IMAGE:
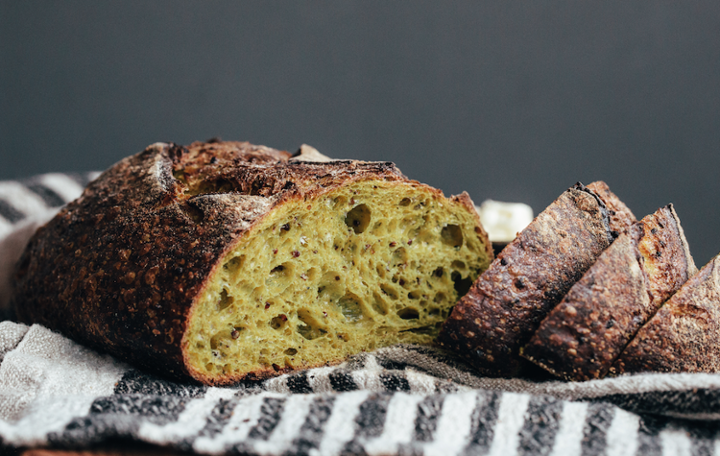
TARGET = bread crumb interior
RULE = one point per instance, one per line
(367, 265)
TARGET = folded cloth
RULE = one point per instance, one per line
(398, 400)
(24, 206)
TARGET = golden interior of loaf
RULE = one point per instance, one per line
(367, 265)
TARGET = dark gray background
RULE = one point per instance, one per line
(507, 100)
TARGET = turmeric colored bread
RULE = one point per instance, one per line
(228, 261)
(529, 277)
(584, 334)
(684, 335)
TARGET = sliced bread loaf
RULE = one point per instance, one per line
(531, 275)
(584, 334)
(684, 335)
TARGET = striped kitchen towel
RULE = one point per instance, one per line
(398, 400)
(25, 205)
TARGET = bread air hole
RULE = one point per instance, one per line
(225, 300)
(452, 235)
(389, 291)
(309, 327)
(399, 257)
(280, 275)
(408, 313)
(330, 287)
(379, 229)
(420, 205)
(358, 218)
(278, 322)
(350, 308)
(235, 264)
(218, 341)
(380, 269)
(458, 265)
(338, 202)
(378, 304)
(461, 284)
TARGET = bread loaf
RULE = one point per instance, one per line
(684, 335)
(531, 275)
(228, 261)
(583, 335)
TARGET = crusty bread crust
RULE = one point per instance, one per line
(527, 279)
(120, 268)
(582, 336)
(684, 334)
(621, 217)
(570, 342)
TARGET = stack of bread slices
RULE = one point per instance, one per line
(587, 291)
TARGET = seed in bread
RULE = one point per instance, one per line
(529, 277)
(583, 335)
(228, 261)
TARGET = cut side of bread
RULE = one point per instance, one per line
(584, 334)
(370, 264)
(228, 261)
(684, 335)
(530, 276)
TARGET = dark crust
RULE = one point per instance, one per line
(529, 277)
(584, 334)
(120, 268)
(573, 341)
(621, 217)
(665, 252)
(684, 335)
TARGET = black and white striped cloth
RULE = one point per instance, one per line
(405, 400)
(25, 205)
(20, 200)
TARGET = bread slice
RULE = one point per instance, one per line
(684, 335)
(584, 334)
(227, 261)
(621, 217)
(530, 276)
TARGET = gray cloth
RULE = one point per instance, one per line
(397, 400)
